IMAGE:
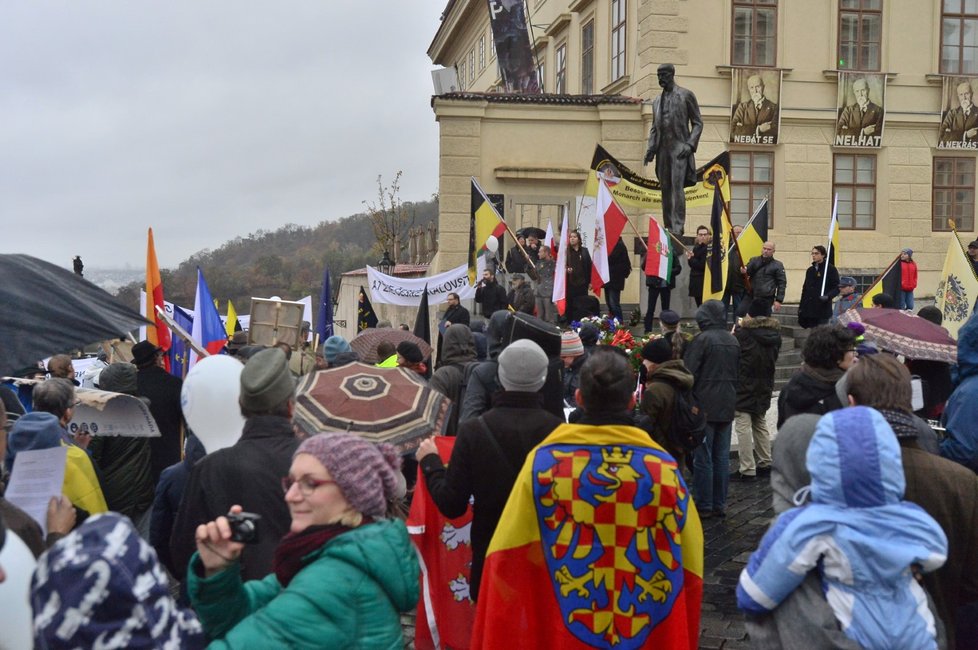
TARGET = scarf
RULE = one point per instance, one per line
(902, 424)
(827, 375)
(291, 552)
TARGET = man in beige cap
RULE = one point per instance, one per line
(248, 473)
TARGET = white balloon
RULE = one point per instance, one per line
(492, 244)
(210, 401)
(15, 605)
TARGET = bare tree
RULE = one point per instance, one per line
(390, 218)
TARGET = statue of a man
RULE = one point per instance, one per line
(675, 133)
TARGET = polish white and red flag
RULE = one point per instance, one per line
(608, 227)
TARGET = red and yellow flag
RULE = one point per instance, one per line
(159, 335)
(600, 545)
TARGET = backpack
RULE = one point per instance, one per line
(688, 428)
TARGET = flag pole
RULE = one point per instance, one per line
(532, 271)
(954, 230)
(182, 333)
(833, 224)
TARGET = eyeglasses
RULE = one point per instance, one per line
(306, 484)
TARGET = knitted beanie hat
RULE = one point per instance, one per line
(523, 367)
(266, 380)
(118, 378)
(369, 475)
(657, 350)
(333, 346)
(571, 345)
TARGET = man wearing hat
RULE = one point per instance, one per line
(490, 449)
(163, 392)
(973, 254)
(848, 298)
(250, 472)
(303, 359)
(521, 296)
(666, 375)
(572, 354)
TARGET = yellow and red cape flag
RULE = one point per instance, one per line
(599, 545)
(159, 335)
(958, 287)
(485, 222)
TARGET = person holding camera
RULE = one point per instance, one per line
(341, 576)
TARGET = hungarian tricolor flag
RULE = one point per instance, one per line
(159, 335)
(658, 260)
(888, 282)
(560, 267)
(599, 545)
(608, 225)
(445, 610)
(208, 329)
(485, 222)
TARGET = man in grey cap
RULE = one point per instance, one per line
(521, 296)
(248, 473)
(848, 298)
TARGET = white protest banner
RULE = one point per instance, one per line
(392, 290)
(103, 413)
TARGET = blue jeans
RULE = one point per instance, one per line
(905, 300)
(711, 468)
(613, 298)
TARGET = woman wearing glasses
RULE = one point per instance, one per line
(342, 574)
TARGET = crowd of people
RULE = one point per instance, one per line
(588, 477)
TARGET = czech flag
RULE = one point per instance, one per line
(600, 545)
(208, 329)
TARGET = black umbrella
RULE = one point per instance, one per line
(526, 231)
(45, 310)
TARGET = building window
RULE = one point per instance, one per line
(954, 194)
(560, 80)
(460, 70)
(755, 30)
(541, 73)
(860, 33)
(751, 179)
(618, 37)
(854, 180)
(472, 66)
(587, 58)
(482, 53)
(959, 37)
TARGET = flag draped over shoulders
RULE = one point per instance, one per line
(599, 545)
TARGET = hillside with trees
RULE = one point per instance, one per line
(289, 261)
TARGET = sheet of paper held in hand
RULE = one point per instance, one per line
(38, 475)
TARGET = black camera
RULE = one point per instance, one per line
(244, 527)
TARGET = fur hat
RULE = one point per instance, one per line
(658, 350)
(410, 351)
(570, 345)
(266, 381)
(523, 367)
(369, 475)
(333, 346)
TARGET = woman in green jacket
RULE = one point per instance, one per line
(341, 576)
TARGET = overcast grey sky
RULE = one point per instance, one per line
(205, 120)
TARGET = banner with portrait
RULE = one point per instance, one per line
(755, 97)
(507, 20)
(959, 115)
(861, 110)
(633, 190)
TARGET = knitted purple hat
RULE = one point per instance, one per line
(368, 475)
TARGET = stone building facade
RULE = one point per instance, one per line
(597, 60)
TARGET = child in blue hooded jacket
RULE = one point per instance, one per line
(859, 532)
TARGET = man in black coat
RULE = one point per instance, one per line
(490, 294)
(163, 392)
(767, 278)
(250, 472)
(455, 314)
(490, 450)
(759, 336)
(713, 358)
